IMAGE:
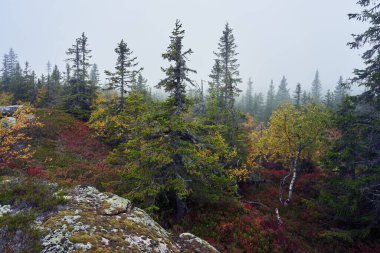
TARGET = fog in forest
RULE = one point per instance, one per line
(274, 38)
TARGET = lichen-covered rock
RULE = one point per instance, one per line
(9, 110)
(191, 243)
(104, 222)
(5, 210)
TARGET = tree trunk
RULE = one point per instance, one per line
(291, 185)
(181, 208)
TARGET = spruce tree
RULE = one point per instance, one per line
(125, 71)
(215, 101)
(305, 99)
(270, 101)
(282, 95)
(297, 96)
(80, 94)
(340, 92)
(258, 106)
(316, 88)
(329, 99)
(140, 85)
(55, 83)
(177, 73)
(230, 79)
(249, 98)
(94, 74)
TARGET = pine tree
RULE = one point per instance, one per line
(249, 98)
(270, 101)
(177, 73)
(316, 89)
(297, 96)
(282, 95)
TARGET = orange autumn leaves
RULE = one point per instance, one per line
(15, 135)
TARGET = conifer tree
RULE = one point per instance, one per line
(270, 101)
(258, 105)
(297, 96)
(140, 85)
(329, 99)
(282, 95)
(316, 88)
(177, 73)
(94, 74)
(80, 94)
(305, 99)
(215, 101)
(230, 79)
(249, 98)
(340, 92)
(125, 71)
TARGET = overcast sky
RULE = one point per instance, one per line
(274, 37)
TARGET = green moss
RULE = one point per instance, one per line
(22, 223)
(36, 195)
(81, 237)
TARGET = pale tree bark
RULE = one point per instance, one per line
(294, 177)
(278, 217)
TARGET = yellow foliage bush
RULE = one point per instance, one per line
(14, 135)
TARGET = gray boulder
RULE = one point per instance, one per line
(9, 109)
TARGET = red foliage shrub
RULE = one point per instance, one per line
(77, 138)
(35, 172)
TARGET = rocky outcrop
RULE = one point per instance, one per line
(9, 109)
(92, 221)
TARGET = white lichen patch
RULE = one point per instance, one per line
(6, 209)
(117, 205)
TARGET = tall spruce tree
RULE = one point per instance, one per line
(177, 74)
(125, 71)
(79, 94)
(316, 88)
(230, 80)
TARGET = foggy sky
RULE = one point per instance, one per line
(274, 37)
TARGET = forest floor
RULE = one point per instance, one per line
(69, 154)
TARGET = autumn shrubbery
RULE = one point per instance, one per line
(15, 136)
